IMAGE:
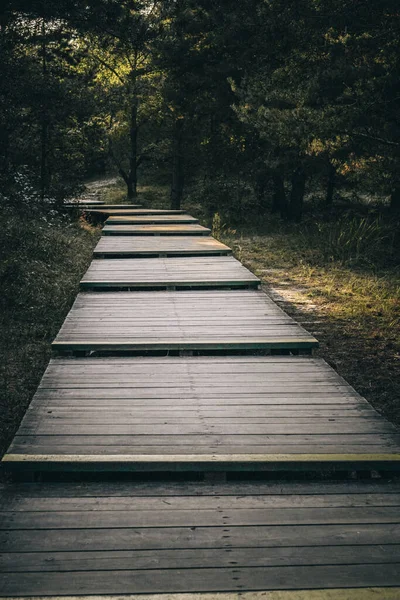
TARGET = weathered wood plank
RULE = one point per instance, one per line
(137, 246)
(195, 580)
(129, 209)
(190, 229)
(218, 271)
(371, 593)
(156, 219)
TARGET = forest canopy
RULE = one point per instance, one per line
(258, 102)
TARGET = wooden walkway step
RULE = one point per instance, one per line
(136, 246)
(189, 542)
(119, 210)
(172, 229)
(116, 210)
(200, 414)
(185, 320)
(168, 273)
(150, 219)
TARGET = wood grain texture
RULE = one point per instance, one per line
(199, 414)
(172, 229)
(215, 271)
(137, 246)
(127, 539)
(160, 320)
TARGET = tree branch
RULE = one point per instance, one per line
(374, 138)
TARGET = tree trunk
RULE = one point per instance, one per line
(297, 195)
(133, 133)
(395, 200)
(330, 188)
(177, 182)
(262, 179)
(279, 199)
(43, 120)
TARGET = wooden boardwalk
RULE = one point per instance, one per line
(184, 320)
(150, 219)
(147, 408)
(314, 541)
(170, 273)
(209, 413)
(159, 246)
(172, 229)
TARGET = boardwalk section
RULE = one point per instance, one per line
(200, 414)
(226, 320)
(159, 246)
(113, 540)
(168, 273)
(150, 219)
(171, 229)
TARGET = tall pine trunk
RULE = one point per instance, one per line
(297, 195)
(330, 188)
(177, 182)
(395, 200)
(131, 181)
(43, 120)
(279, 199)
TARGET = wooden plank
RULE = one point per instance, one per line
(199, 414)
(389, 593)
(129, 209)
(190, 229)
(137, 246)
(195, 580)
(24, 562)
(196, 517)
(17, 502)
(128, 539)
(217, 271)
(150, 219)
(162, 321)
(119, 539)
(106, 208)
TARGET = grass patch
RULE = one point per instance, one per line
(42, 259)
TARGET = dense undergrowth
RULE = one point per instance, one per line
(43, 254)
